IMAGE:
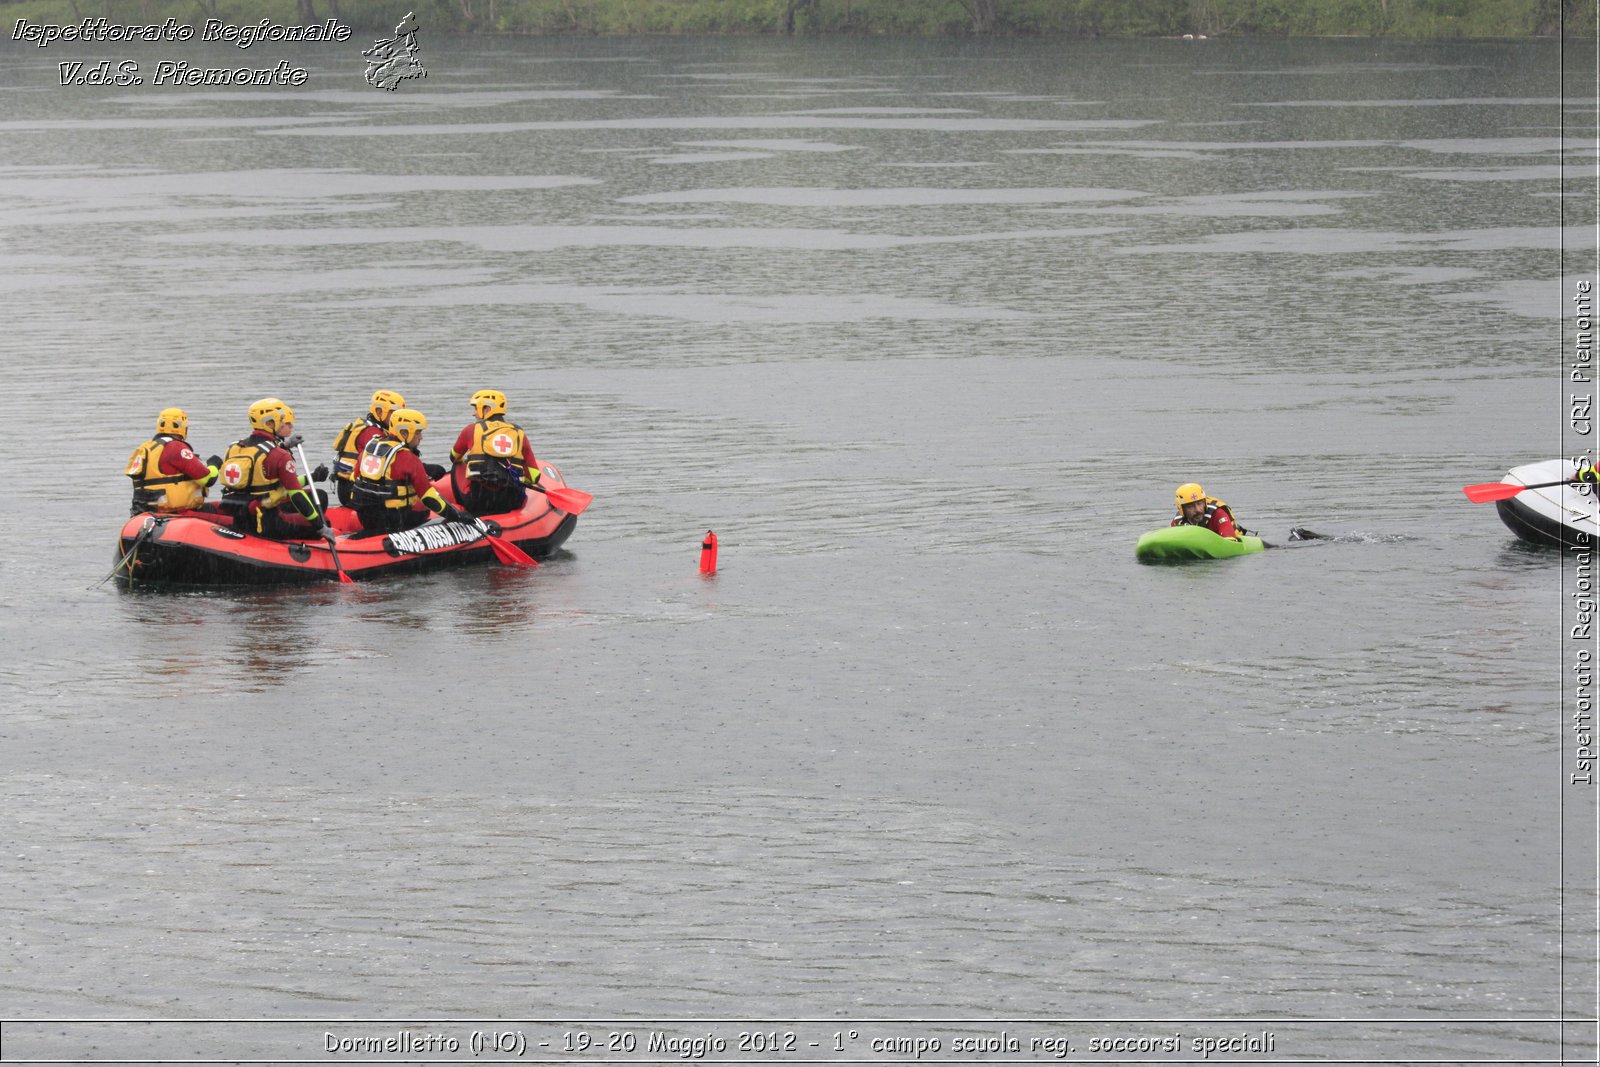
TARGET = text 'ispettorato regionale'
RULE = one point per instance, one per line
(104, 31)
(169, 72)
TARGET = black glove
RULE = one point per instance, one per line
(435, 470)
(292, 442)
(455, 514)
(321, 473)
(213, 461)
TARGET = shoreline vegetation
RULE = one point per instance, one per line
(1397, 19)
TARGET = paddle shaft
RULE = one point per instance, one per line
(562, 497)
(338, 566)
(144, 531)
(1486, 492)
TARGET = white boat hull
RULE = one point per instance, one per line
(1558, 515)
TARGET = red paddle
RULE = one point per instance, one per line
(504, 550)
(1484, 492)
(565, 498)
(572, 501)
(337, 566)
(343, 577)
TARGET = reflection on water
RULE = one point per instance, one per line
(245, 640)
(507, 603)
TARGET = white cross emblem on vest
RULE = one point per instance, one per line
(501, 443)
(233, 474)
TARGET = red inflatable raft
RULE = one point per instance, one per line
(191, 548)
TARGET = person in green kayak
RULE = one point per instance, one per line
(1197, 509)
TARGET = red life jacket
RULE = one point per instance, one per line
(1213, 506)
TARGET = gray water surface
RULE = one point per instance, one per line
(927, 332)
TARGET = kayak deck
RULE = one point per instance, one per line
(1173, 544)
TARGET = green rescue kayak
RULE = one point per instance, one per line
(1192, 542)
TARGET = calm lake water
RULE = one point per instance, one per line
(927, 332)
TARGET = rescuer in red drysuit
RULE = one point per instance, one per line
(1197, 509)
(393, 488)
(167, 476)
(261, 487)
(495, 458)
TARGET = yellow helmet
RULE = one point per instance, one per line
(270, 415)
(408, 424)
(487, 402)
(1190, 492)
(386, 402)
(173, 420)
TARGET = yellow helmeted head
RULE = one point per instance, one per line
(386, 402)
(173, 420)
(271, 415)
(408, 424)
(488, 402)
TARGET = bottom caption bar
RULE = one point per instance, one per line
(287, 1041)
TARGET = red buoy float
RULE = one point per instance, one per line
(708, 554)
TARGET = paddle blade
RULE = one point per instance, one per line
(1484, 492)
(510, 554)
(572, 501)
(504, 550)
(344, 579)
